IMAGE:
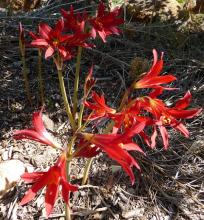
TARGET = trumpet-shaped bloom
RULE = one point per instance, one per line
(37, 133)
(164, 116)
(53, 40)
(105, 23)
(99, 107)
(74, 22)
(117, 145)
(152, 79)
(51, 179)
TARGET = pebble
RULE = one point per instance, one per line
(137, 212)
(10, 173)
(5, 155)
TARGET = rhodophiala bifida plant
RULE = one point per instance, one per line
(146, 116)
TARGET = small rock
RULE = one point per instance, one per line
(10, 173)
(29, 168)
(83, 193)
(137, 212)
(5, 155)
(49, 124)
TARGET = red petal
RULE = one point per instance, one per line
(44, 30)
(30, 194)
(88, 152)
(145, 137)
(184, 102)
(135, 129)
(59, 26)
(32, 177)
(156, 69)
(180, 127)
(184, 113)
(38, 122)
(154, 81)
(133, 146)
(153, 137)
(39, 42)
(34, 36)
(93, 33)
(103, 35)
(49, 52)
(66, 188)
(155, 55)
(121, 156)
(101, 9)
(164, 135)
(31, 135)
(50, 197)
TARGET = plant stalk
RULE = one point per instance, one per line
(65, 99)
(68, 170)
(40, 78)
(25, 77)
(80, 115)
(86, 171)
(76, 81)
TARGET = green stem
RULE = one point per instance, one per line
(86, 170)
(67, 212)
(68, 170)
(66, 102)
(25, 77)
(40, 78)
(76, 81)
(80, 115)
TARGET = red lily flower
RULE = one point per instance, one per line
(105, 23)
(51, 179)
(117, 145)
(51, 39)
(164, 116)
(99, 107)
(75, 22)
(37, 133)
(152, 79)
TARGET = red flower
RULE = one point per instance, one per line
(164, 116)
(152, 79)
(51, 179)
(75, 22)
(117, 145)
(37, 133)
(105, 23)
(51, 39)
(99, 107)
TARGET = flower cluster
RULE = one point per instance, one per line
(147, 116)
(73, 30)
(138, 115)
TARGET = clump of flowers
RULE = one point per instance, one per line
(146, 116)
